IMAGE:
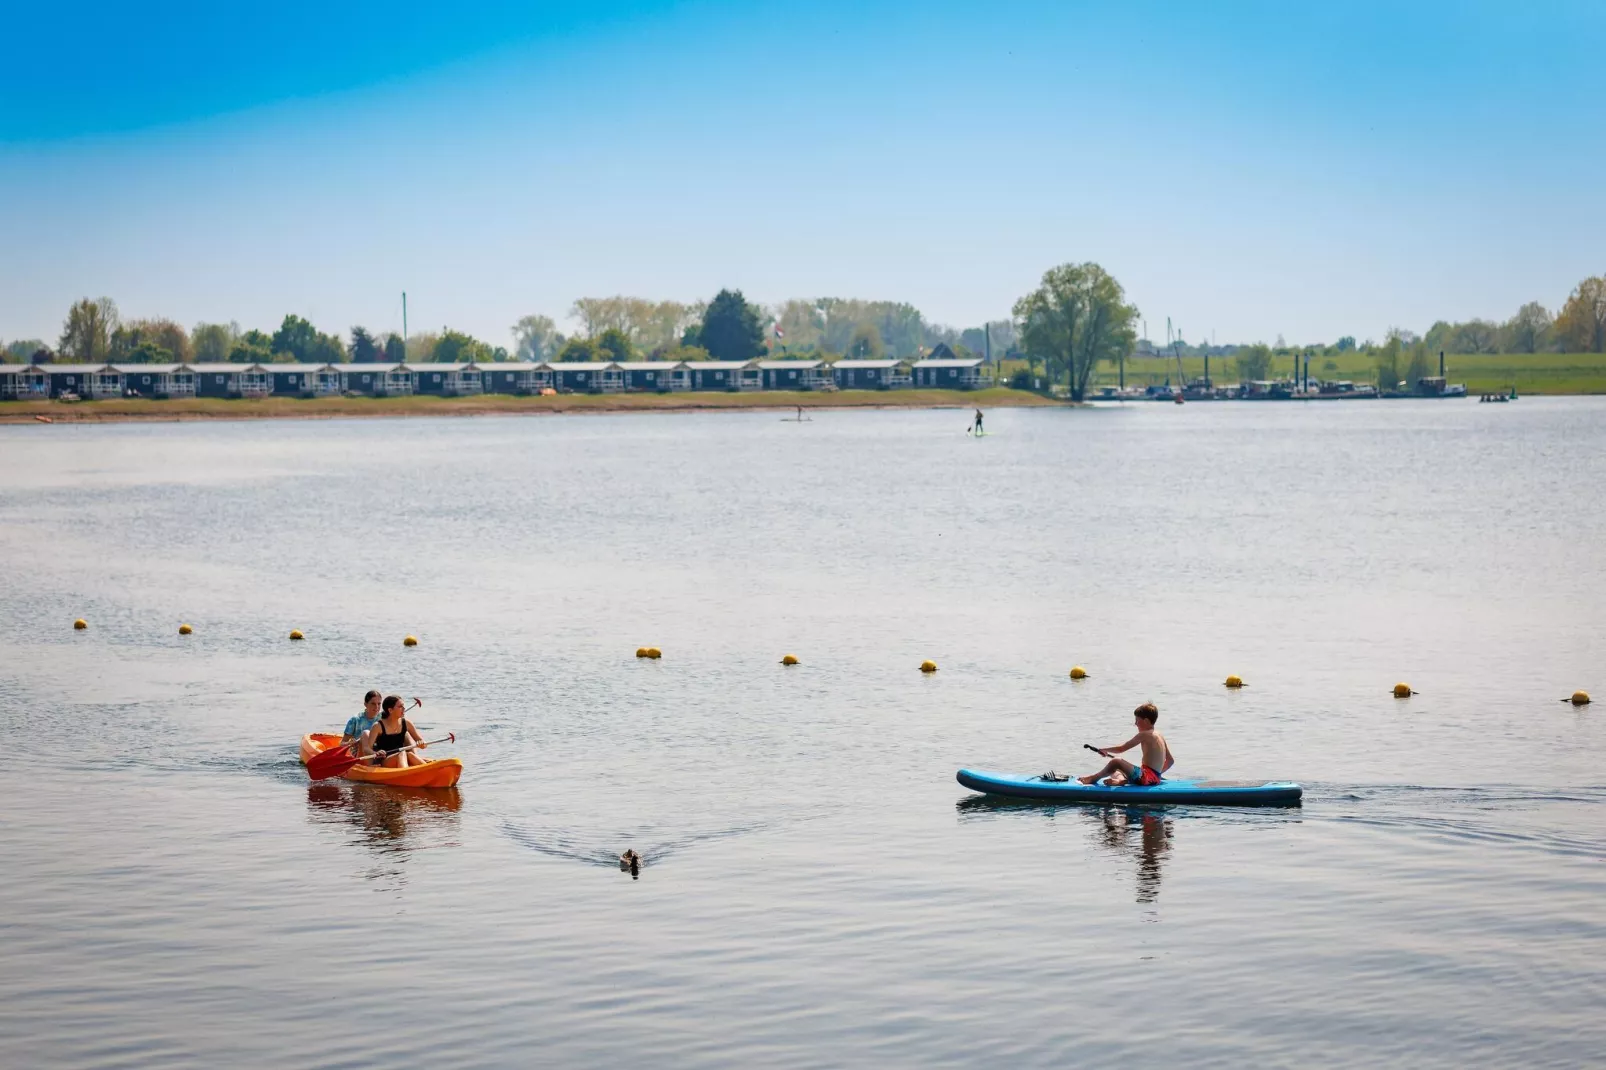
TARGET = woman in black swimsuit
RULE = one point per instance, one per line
(393, 732)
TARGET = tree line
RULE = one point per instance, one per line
(1076, 317)
(726, 327)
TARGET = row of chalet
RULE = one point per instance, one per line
(24, 381)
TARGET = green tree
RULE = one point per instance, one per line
(1077, 318)
(537, 337)
(395, 349)
(1253, 362)
(252, 347)
(86, 336)
(866, 344)
(163, 333)
(1474, 336)
(1420, 367)
(684, 353)
(210, 342)
(1528, 331)
(296, 337)
(731, 328)
(22, 350)
(149, 352)
(1582, 323)
(1346, 344)
(580, 350)
(364, 349)
(614, 344)
(421, 347)
(1388, 365)
(455, 347)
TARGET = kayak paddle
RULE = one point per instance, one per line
(337, 760)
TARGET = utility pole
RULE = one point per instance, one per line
(404, 325)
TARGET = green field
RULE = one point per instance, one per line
(1484, 373)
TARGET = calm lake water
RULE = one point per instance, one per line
(818, 891)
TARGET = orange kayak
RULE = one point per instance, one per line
(439, 773)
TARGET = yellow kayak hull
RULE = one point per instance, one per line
(440, 773)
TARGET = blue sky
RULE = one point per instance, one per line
(1248, 169)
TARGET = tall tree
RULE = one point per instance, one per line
(1475, 336)
(866, 343)
(1420, 365)
(1528, 331)
(421, 347)
(1253, 362)
(364, 349)
(21, 351)
(614, 344)
(1388, 365)
(210, 342)
(455, 347)
(1076, 318)
(731, 328)
(1582, 323)
(537, 337)
(252, 347)
(296, 337)
(395, 349)
(86, 336)
(163, 334)
(581, 350)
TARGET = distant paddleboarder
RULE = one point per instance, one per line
(976, 427)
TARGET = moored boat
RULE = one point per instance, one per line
(437, 773)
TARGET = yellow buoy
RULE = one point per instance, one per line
(1078, 673)
(411, 640)
(80, 624)
(296, 635)
(1234, 681)
(185, 629)
(788, 660)
(654, 653)
(1403, 691)
(928, 666)
(1580, 698)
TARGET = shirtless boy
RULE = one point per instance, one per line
(1156, 754)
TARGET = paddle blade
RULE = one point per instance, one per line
(330, 763)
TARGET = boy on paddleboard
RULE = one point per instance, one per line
(1156, 754)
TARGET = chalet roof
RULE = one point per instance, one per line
(507, 365)
(957, 362)
(228, 368)
(784, 364)
(580, 365)
(367, 366)
(646, 365)
(876, 364)
(151, 369)
(73, 369)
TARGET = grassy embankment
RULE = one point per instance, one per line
(1484, 373)
(486, 404)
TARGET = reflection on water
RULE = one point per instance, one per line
(1144, 834)
(392, 822)
(1141, 833)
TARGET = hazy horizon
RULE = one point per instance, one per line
(1248, 172)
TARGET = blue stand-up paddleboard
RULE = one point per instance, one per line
(1192, 792)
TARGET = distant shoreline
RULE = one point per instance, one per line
(145, 410)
